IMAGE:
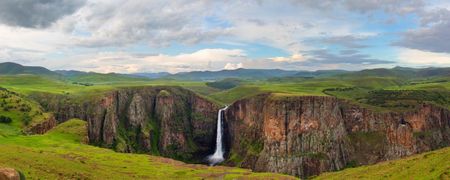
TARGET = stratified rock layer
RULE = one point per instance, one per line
(42, 127)
(307, 135)
(169, 121)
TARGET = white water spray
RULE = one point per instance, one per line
(217, 157)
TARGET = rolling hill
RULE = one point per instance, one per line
(150, 75)
(401, 72)
(9, 68)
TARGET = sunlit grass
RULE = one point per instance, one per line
(430, 165)
(61, 154)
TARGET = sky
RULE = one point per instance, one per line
(183, 35)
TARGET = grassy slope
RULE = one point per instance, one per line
(60, 154)
(18, 108)
(430, 165)
(26, 84)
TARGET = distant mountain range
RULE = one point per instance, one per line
(402, 72)
(237, 73)
(151, 75)
(9, 68)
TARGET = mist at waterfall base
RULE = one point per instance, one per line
(217, 157)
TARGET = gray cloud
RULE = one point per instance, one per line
(348, 52)
(434, 35)
(366, 6)
(158, 23)
(348, 41)
(325, 57)
(389, 6)
(36, 13)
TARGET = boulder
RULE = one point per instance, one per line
(9, 174)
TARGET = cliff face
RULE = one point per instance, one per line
(167, 121)
(42, 127)
(305, 136)
(300, 136)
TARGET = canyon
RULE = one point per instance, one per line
(296, 135)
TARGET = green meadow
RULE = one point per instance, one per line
(353, 88)
(62, 154)
(429, 165)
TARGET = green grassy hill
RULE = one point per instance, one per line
(9, 68)
(61, 154)
(99, 78)
(21, 112)
(430, 165)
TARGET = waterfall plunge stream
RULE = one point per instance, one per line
(217, 157)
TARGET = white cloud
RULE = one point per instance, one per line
(231, 66)
(31, 39)
(205, 59)
(294, 58)
(423, 58)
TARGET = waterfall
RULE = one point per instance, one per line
(217, 157)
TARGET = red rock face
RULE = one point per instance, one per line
(305, 136)
(177, 122)
(42, 127)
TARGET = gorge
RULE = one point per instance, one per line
(296, 135)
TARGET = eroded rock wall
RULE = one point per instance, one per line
(169, 121)
(307, 135)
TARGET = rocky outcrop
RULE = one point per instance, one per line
(42, 126)
(169, 121)
(307, 135)
(9, 174)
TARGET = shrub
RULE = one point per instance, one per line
(163, 93)
(26, 119)
(224, 84)
(6, 120)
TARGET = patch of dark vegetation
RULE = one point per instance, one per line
(5, 119)
(406, 98)
(351, 164)
(27, 119)
(82, 84)
(339, 89)
(423, 134)
(428, 82)
(225, 83)
(392, 99)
